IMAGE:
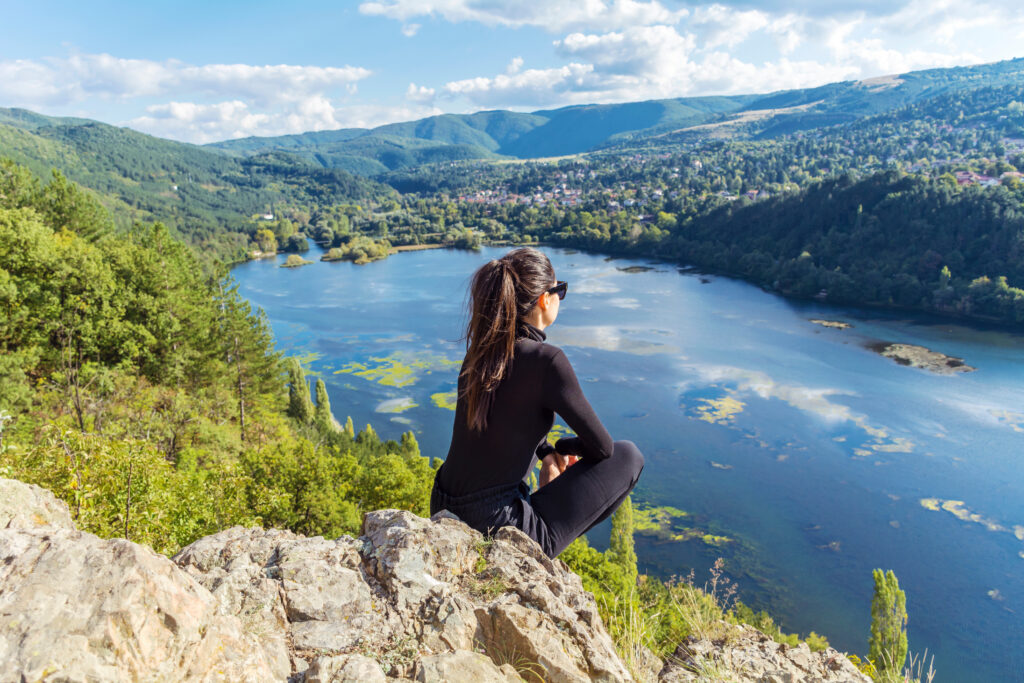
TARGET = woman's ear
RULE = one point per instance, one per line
(543, 301)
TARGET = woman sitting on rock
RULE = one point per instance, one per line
(510, 386)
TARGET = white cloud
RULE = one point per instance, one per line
(201, 123)
(647, 62)
(533, 87)
(554, 15)
(419, 93)
(409, 30)
(62, 81)
(725, 26)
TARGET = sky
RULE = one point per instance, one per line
(213, 70)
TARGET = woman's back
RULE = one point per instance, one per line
(539, 383)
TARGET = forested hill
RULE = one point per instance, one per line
(576, 129)
(207, 197)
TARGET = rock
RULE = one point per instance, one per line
(411, 598)
(27, 506)
(407, 590)
(746, 655)
(463, 666)
(81, 608)
(352, 668)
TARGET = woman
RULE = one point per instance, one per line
(510, 386)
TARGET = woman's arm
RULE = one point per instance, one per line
(562, 394)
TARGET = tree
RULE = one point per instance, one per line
(887, 646)
(621, 544)
(247, 347)
(323, 406)
(299, 405)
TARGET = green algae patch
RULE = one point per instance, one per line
(396, 405)
(399, 369)
(445, 399)
(662, 523)
(719, 410)
(557, 432)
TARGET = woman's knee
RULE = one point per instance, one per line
(630, 456)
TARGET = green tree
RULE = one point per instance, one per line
(887, 646)
(621, 545)
(299, 405)
(247, 344)
(323, 406)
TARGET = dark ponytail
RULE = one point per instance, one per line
(501, 293)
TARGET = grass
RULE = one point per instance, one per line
(635, 633)
(490, 585)
(528, 669)
(703, 610)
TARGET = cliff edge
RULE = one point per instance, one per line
(410, 598)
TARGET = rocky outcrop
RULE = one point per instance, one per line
(745, 655)
(409, 599)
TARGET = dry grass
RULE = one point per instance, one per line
(703, 609)
(528, 669)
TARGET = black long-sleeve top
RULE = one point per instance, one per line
(539, 383)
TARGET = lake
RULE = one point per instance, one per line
(798, 454)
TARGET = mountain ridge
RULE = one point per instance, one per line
(589, 127)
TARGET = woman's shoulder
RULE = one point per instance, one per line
(531, 348)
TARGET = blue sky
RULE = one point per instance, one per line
(205, 71)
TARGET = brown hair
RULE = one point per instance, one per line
(502, 292)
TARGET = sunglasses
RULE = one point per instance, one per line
(560, 289)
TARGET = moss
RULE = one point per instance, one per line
(399, 369)
(557, 432)
(719, 410)
(661, 523)
(445, 399)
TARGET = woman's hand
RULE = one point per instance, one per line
(552, 465)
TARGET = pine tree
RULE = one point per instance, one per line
(350, 429)
(410, 446)
(323, 406)
(887, 646)
(299, 405)
(621, 543)
(247, 346)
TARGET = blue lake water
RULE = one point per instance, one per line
(817, 457)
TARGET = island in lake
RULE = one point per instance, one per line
(921, 357)
(837, 324)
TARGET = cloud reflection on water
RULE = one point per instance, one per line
(738, 383)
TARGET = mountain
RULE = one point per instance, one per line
(198, 192)
(583, 128)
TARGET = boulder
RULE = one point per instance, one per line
(74, 607)
(27, 506)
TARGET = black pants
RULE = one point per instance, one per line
(586, 494)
